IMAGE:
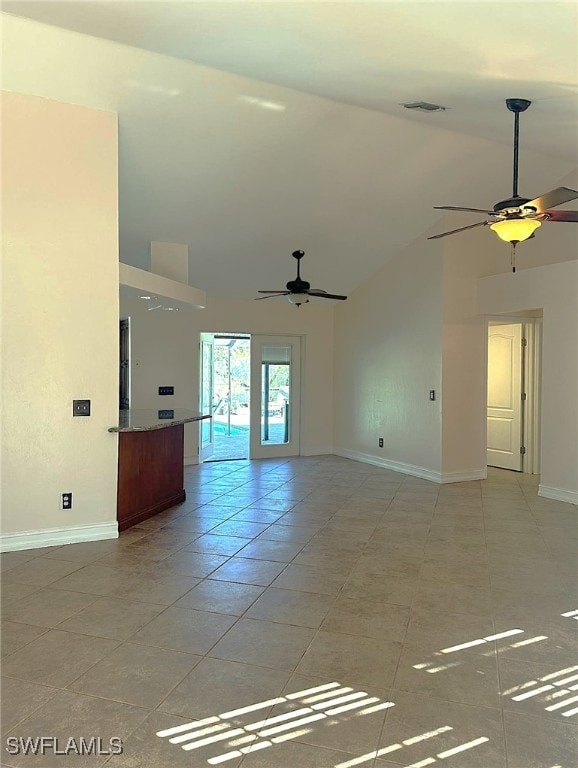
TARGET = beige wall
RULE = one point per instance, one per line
(59, 314)
(469, 260)
(387, 357)
(164, 351)
(555, 289)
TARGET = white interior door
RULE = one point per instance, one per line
(206, 428)
(504, 407)
(275, 396)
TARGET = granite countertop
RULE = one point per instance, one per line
(145, 420)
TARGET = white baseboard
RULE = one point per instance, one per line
(464, 477)
(395, 466)
(56, 537)
(559, 494)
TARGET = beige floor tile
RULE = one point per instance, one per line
(48, 607)
(11, 592)
(197, 564)
(9, 560)
(40, 571)
(355, 729)
(217, 686)
(319, 536)
(279, 646)
(300, 534)
(14, 636)
(276, 551)
(535, 742)
(56, 658)
(309, 578)
(463, 678)
(153, 587)
(244, 570)
(220, 597)
(111, 617)
(218, 545)
(253, 515)
(20, 700)
(423, 727)
(303, 609)
(239, 528)
(92, 579)
(136, 674)
(69, 714)
(186, 630)
(355, 660)
(86, 552)
(387, 588)
(382, 621)
(440, 631)
(534, 688)
(292, 753)
(461, 598)
(144, 749)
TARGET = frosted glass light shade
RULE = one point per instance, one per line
(515, 230)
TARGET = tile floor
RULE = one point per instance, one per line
(305, 613)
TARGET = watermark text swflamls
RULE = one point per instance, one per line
(54, 745)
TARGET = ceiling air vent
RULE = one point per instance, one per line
(424, 106)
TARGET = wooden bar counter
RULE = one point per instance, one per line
(150, 462)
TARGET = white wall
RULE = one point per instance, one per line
(60, 319)
(164, 351)
(388, 339)
(555, 289)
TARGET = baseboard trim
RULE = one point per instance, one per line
(56, 537)
(464, 477)
(558, 494)
(395, 466)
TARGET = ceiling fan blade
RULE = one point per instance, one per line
(552, 199)
(271, 291)
(561, 215)
(455, 208)
(325, 295)
(273, 295)
(461, 229)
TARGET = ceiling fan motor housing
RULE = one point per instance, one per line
(513, 206)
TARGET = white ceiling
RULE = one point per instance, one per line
(294, 137)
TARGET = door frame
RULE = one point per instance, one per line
(278, 450)
(531, 377)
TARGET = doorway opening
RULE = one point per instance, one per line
(513, 393)
(250, 384)
(226, 377)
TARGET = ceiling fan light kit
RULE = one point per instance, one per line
(515, 230)
(298, 291)
(517, 218)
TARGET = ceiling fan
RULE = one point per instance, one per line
(516, 218)
(298, 290)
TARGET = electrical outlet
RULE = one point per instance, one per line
(166, 390)
(81, 407)
(166, 413)
(380, 442)
(66, 500)
(432, 394)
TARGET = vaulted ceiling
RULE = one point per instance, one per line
(249, 130)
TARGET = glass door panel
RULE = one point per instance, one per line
(206, 427)
(275, 375)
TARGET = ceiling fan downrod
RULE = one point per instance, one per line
(516, 106)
